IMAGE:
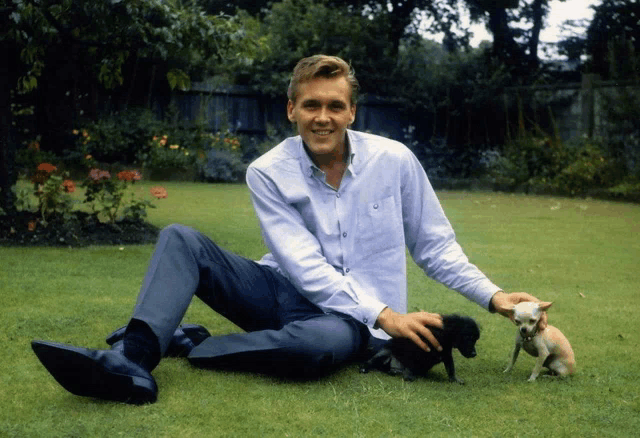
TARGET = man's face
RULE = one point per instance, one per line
(322, 112)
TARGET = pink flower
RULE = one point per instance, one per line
(98, 175)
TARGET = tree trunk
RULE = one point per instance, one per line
(537, 10)
(8, 174)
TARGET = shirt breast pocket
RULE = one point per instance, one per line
(379, 226)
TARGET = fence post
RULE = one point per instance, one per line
(588, 103)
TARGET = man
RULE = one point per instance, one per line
(337, 209)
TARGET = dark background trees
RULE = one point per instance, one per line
(69, 61)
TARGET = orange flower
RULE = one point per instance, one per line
(46, 167)
(98, 175)
(75, 132)
(158, 192)
(69, 186)
(31, 226)
(88, 157)
(174, 146)
(34, 146)
(129, 175)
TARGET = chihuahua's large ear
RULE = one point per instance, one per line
(544, 305)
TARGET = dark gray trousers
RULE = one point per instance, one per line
(285, 333)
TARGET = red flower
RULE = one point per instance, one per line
(69, 186)
(159, 192)
(46, 167)
(99, 175)
(129, 175)
(31, 226)
(42, 173)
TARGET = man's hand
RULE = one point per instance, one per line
(503, 303)
(411, 326)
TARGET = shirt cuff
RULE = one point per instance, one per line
(369, 309)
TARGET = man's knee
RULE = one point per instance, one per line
(178, 231)
(323, 343)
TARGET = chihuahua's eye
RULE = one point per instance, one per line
(532, 321)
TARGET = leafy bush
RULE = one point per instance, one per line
(222, 166)
(27, 159)
(106, 196)
(166, 155)
(589, 169)
(547, 164)
(118, 138)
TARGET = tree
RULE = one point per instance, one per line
(97, 39)
(613, 39)
(512, 44)
(294, 29)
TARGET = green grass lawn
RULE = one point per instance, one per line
(581, 254)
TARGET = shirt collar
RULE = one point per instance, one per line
(310, 169)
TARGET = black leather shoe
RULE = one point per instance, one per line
(184, 339)
(104, 374)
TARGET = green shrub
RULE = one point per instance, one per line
(589, 169)
(528, 159)
(119, 137)
(164, 154)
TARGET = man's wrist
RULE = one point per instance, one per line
(381, 316)
(492, 306)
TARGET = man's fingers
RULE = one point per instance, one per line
(431, 319)
(425, 333)
(419, 342)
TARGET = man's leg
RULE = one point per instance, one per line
(286, 334)
(302, 349)
(183, 263)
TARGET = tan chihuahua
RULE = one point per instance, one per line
(545, 342)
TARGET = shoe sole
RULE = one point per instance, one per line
(83, 376)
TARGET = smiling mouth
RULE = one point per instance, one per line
(322, 132)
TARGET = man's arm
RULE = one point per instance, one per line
(431, 240)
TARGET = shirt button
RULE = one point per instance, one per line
(347, 270)
(365, 320)
(338, 195)
(375, 206)
(344, 234)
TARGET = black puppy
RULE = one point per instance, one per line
(403, 356)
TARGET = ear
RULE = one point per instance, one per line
(353, 114)
(290, 115)
(544, 305)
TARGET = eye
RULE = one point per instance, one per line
(337, 106)
(532, 321)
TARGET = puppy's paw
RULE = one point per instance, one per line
(532, 378)
(456, 380)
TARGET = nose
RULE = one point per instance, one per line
(323, 115)
(523, 330)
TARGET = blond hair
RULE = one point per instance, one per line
(322, 66)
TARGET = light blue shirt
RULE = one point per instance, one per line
(345, 249)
